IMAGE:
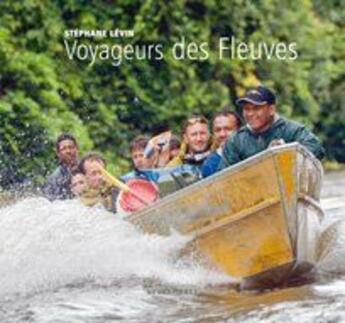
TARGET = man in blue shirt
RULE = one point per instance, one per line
(223, 125)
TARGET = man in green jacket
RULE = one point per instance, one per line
(265, 128)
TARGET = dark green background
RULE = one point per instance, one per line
(42, 93)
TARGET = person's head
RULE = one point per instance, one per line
(224, 124)
(67, 149)
(137, 147)
(196, 134)
(259, 108)
(91, 166)
(174, 146)
(78, 183)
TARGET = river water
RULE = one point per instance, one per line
(62, 262)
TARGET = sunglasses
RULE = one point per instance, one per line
(197, 119)
(194, 120)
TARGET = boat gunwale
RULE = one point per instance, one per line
(266, 154)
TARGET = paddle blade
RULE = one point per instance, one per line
(141, 194)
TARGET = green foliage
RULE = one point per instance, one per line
(43, 92)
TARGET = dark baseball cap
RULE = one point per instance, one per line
(258, 96)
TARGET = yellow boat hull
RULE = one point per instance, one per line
(257, 217)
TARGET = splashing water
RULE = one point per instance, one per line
(62, 262)
(332, 249)
(46, 245)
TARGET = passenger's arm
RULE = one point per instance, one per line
(230, 155)
(210, 165)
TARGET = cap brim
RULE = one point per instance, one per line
(241, 101)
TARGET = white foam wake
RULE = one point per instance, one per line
(45, 245)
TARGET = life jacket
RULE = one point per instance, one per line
(105, 195)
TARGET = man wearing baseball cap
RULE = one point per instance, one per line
(265, 128)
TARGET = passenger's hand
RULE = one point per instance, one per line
(276, 142)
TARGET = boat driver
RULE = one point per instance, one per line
(265, 128)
